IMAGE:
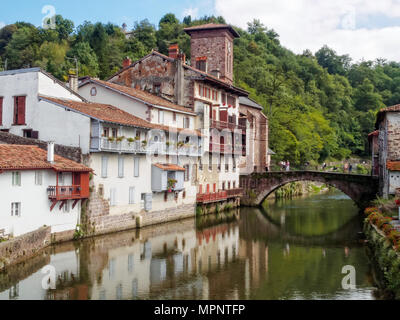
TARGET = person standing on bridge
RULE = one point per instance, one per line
(350, 168)
(287, 165)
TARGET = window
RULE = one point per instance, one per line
(142, 200)
(66, 207)
(229, 186)
(120, 167)
(132, 195)
(201, 64)
(19, 110)
(38, 178)
(60, 178)
(16, 179)
(161, 117)
(136, 167)
(16, 209)
(106, 132)
(186, 123)
(174, 116)
(223, 185)
(1, 111)
(234, 185)
(114, 133)
(93, 91)
(157, 88)
(104, 167)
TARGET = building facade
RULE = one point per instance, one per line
(388, 154)
(39, 190)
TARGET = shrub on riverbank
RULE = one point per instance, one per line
(384, 243)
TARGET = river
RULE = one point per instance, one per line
(292, 249)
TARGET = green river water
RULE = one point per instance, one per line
(292, 249)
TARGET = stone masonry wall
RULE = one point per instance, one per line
(26, 246)
(98, 221)
(71, 153)
(393, 136)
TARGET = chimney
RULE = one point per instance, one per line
(174, 51)
(216, 73)
(127, 62)
(50, 152)
(73, 82)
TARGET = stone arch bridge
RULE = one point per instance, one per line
(257, 187)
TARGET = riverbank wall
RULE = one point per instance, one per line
(16, 250)
(383, 246)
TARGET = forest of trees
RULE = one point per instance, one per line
(321, 106)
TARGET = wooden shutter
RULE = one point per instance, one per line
(104, 164)
(21, 110)
(223, 115)
(120, 167)
(136, 167)
(15, 110)
(148, 202)
(132, 195)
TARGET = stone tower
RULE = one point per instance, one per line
(212, 49)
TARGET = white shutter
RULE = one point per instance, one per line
(104, 167)
(132, 195)
(148, 202)
(120, 167)
(113, 197)
(136, 166)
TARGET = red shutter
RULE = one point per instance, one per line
(1, 111)
(223, 115)
(21, 110)
(15, 110)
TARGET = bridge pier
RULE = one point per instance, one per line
(257, 187)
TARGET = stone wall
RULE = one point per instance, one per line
(19, 249)
(96, 218)
(71, 153)
(393, 137)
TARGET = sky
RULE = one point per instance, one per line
(364, 29)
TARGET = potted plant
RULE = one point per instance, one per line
(171, 184)
(120, 139)
(137, 138)
(144, 143)
(130, 140)
(111, 139)
(180, 144)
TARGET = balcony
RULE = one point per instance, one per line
(227, 149)
(221, 125)
(138, 147)
(212, 197)
(65, 193)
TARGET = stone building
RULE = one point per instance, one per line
(257, 157)
(206, 88)
(388, 125)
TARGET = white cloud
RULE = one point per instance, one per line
(2, 24)
(193, 12)
(309, 24)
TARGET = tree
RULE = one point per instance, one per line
(329, 59)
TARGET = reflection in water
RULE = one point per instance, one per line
(290, 250)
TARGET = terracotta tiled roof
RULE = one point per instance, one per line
(24, 157)
(169, 167)
(383, 111)
(109, 113)
(142, 95)
(212, 26)
(393, 165)
(375, 133)
(103, 112)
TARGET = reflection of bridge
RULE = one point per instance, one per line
(257, 187)
(262, 227)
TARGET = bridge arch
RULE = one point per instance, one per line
(257, 187)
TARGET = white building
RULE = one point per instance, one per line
(40, 189)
